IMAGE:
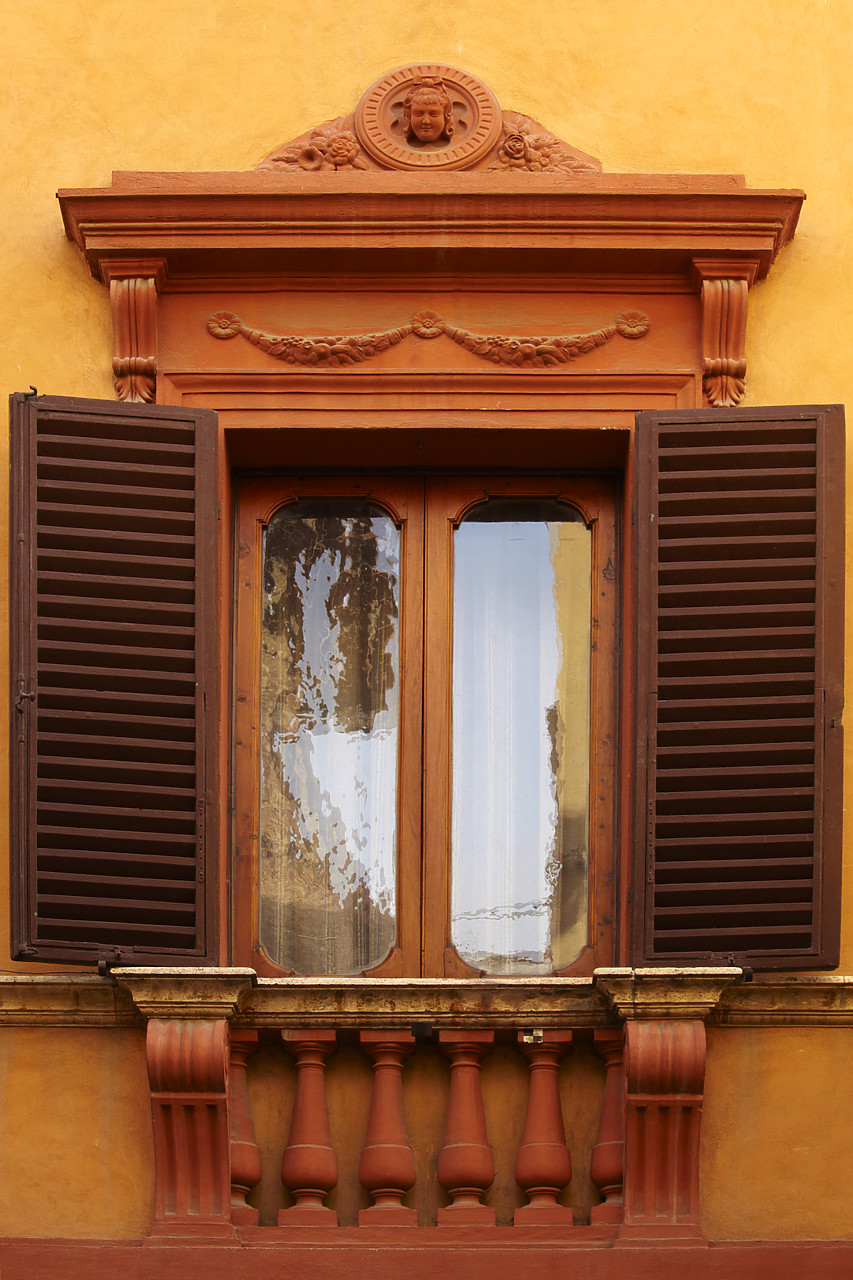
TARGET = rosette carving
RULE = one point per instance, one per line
(517, 352)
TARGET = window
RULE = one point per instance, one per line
(118, 780)
(415, 676)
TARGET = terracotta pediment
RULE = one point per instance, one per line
(431, 212)
(428, 117)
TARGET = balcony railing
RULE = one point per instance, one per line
(281, 1106)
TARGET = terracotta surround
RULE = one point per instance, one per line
(361, 301)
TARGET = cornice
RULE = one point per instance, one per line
(213, 225)
(669, 994)
(128, 996)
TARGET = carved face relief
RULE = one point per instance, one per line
(428, 112)
(428, 116)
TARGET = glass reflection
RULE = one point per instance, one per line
(521, 661)
(329, 722)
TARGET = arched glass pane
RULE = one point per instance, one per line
(329, 728)
(521, 663)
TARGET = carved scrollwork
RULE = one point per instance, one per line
(517, 352)
(133, 294)
(725, 296)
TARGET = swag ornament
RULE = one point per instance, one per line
(510, 351)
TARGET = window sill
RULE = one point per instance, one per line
(128, 996)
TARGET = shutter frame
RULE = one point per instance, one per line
(686, 933)
(108, 818)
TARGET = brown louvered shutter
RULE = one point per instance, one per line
(114, 722)
(740, 563)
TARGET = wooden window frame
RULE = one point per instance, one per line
(424, 947)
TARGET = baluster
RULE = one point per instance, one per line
(309, 1169)
(543, 1167)
(245, 1153)
(387, 1166)
(607, 1167)
(466, 1168)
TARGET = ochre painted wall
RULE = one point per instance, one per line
(759, 88)
(76, 1150)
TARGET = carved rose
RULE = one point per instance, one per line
(633, 324)
(224, 324)
(343, 151)
(427, 324)
(513, 151)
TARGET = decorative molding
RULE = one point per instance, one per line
(188, 1077)
(724, 289)
(429, 117)
(85, 1000)
(133, 296)
(688, 994)
(665, 1075)
(512, 352)
(218, 227)
(185, 993)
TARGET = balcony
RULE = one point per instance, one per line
(555, 1110)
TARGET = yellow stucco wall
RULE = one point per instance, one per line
(759, 88)
(76, 1149)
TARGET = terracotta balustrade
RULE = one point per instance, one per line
(645, 1160)
(309, 1169)
(607, 1167)
(543, 1167)
(387, 1166)
(466, 1168)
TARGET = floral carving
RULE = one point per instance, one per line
(330, 352)
(331, 146)
(522, 148)
(428, 324)
(334, 352)
(538, 353)
(632, 324)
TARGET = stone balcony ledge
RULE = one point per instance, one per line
(128, 996)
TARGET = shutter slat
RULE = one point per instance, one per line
(739, 519)
(114, 566)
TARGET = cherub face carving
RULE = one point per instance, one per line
(428, 114)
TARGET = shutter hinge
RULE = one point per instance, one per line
(24, 695)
